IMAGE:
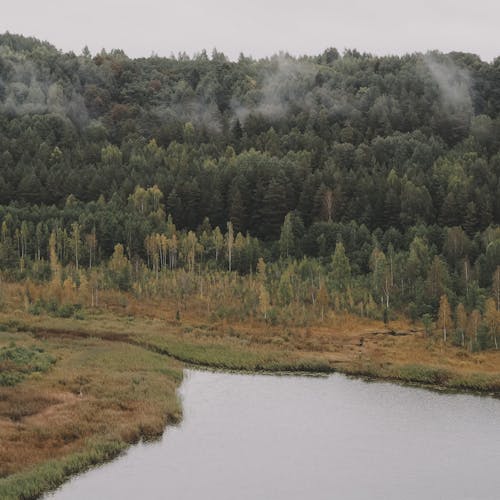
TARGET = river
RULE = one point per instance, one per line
(259, 437)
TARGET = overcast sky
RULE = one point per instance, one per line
(259, 27)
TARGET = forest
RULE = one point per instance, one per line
(282, 189)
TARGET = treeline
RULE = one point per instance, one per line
(306, 273)
(361, 183)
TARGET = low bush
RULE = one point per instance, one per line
(17, 362)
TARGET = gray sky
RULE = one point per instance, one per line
(259, 27)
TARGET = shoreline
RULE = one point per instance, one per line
(417, 374)
(79, 463)
(36, 480)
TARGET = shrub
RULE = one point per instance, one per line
(18, 362)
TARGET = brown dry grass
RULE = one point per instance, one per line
(111, 382)
(96, 388)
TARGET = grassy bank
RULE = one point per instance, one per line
(96, 397)
(430, 377)
(368, 349)
(77, 391)
(49, 475)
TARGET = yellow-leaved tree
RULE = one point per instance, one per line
(444, 316)
(492, 320)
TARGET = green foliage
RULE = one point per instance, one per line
(233, 357)
(424, 374)
(428, 324)
(118, 271)
(17, 362)
(392, 199)
(341, 269)
(53, 308)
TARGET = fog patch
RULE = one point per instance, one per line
(284, 87)
(25, 91)
(197, 110)
(454, 83)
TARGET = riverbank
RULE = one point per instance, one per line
(398, 352)
(112, 377)
(250, 436)
(95, 399)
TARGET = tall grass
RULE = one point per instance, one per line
(224, 355)
(50, 475)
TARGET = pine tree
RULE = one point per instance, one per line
(274, 209)
(286, 241)
(237, 211)
(341, 269)
(471, 222)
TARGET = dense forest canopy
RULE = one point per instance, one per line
(397, 159)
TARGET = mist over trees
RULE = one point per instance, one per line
(372, 179)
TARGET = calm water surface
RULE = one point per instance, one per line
(257, 437)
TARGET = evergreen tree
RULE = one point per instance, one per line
(286, 242)
(341, 269)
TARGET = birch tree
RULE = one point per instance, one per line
(461, 322)
(230, 244)
(492, 320)
(444, 316)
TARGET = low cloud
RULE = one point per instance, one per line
(285, 86)
(454, 83)
(26, 91)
